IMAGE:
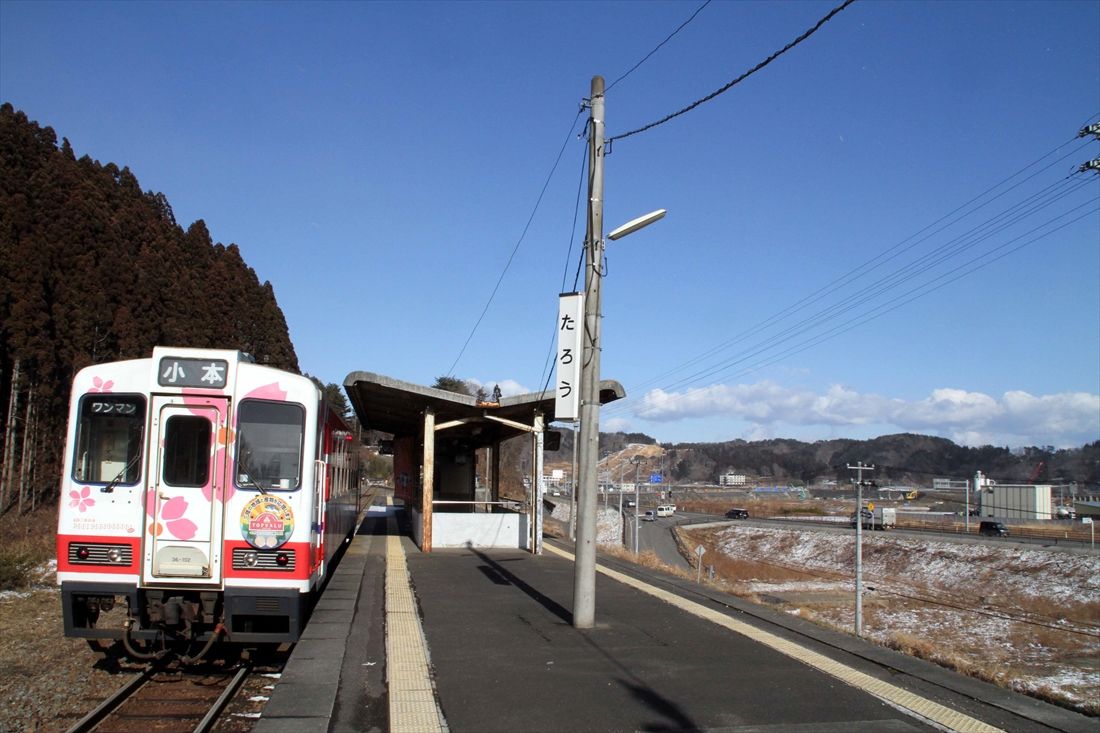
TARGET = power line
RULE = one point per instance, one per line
(876, 262)
(658, 46)
(998, 223)
(883, 309)
(489, 302)
(852, 301)
(547, 372)
(739, 79)
(859, 320)
(576, 215)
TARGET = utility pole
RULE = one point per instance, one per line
(1094, 164)
(859, 468)
(621, 507)
(573, 490)
(584, 574)
(637, 461)
(977, 498)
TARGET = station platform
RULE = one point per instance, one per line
(470, 640)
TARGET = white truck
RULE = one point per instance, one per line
(876, 517)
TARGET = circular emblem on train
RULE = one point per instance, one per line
(267, 522)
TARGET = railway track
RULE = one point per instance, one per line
(168, 699)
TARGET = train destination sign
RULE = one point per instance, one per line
(209, 373)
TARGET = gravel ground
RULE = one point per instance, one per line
(48, 682)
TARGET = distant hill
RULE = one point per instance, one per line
(905, 458)
(94, 269)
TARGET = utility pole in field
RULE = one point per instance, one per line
(859, 468)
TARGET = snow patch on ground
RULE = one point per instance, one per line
(1027, 617)
(609, 523)
(976, 569)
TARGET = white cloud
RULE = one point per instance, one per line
(971, 418)
(616, 425)
(508, 387)
(950, 407)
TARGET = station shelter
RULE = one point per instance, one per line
(436, 436)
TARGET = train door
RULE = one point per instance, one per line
(320, 504)
(184, 532)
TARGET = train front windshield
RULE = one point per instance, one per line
(109, 439)
(269, 445)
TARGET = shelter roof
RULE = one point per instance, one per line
(392, 406)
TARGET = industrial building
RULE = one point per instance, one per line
(1015, 501)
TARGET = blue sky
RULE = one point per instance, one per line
(379, 162)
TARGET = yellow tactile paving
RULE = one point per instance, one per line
(413, 707)
(917, 706)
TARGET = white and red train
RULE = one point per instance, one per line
(205, 492)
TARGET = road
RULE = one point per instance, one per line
(842, 528)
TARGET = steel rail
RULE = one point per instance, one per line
(112, 703)
(215, 711)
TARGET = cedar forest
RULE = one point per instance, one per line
(94, 269)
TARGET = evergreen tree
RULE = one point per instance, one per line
(452, 385)
(94, 269)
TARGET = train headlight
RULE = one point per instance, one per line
(114, 555)
(282, 559)
(82, 553)
(250, 559)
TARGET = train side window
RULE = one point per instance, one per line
(269, 445)
(186, 451)
(109, 439)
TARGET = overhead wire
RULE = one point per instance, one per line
(658, 46)
(580, 263)
(740, 78)
(883, 310)
(547, 372)
(874, 263)
(515, 249)
(997, 223)
(882, 286)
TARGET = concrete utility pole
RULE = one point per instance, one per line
(637, 461)
(573, 489)
(859, 468)
(584, 577)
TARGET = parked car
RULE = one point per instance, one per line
(989, 528)
(649, 516)
(737, 514)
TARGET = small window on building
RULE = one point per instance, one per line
(269, 445)
(109, 439)
(186, 451)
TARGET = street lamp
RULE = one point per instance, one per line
(635, 224)
(637, 461)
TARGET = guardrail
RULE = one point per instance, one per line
(1066, 534)
(1077, 534)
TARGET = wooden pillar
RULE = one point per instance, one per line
(536, 484)
(428, 492)
(494, 451)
